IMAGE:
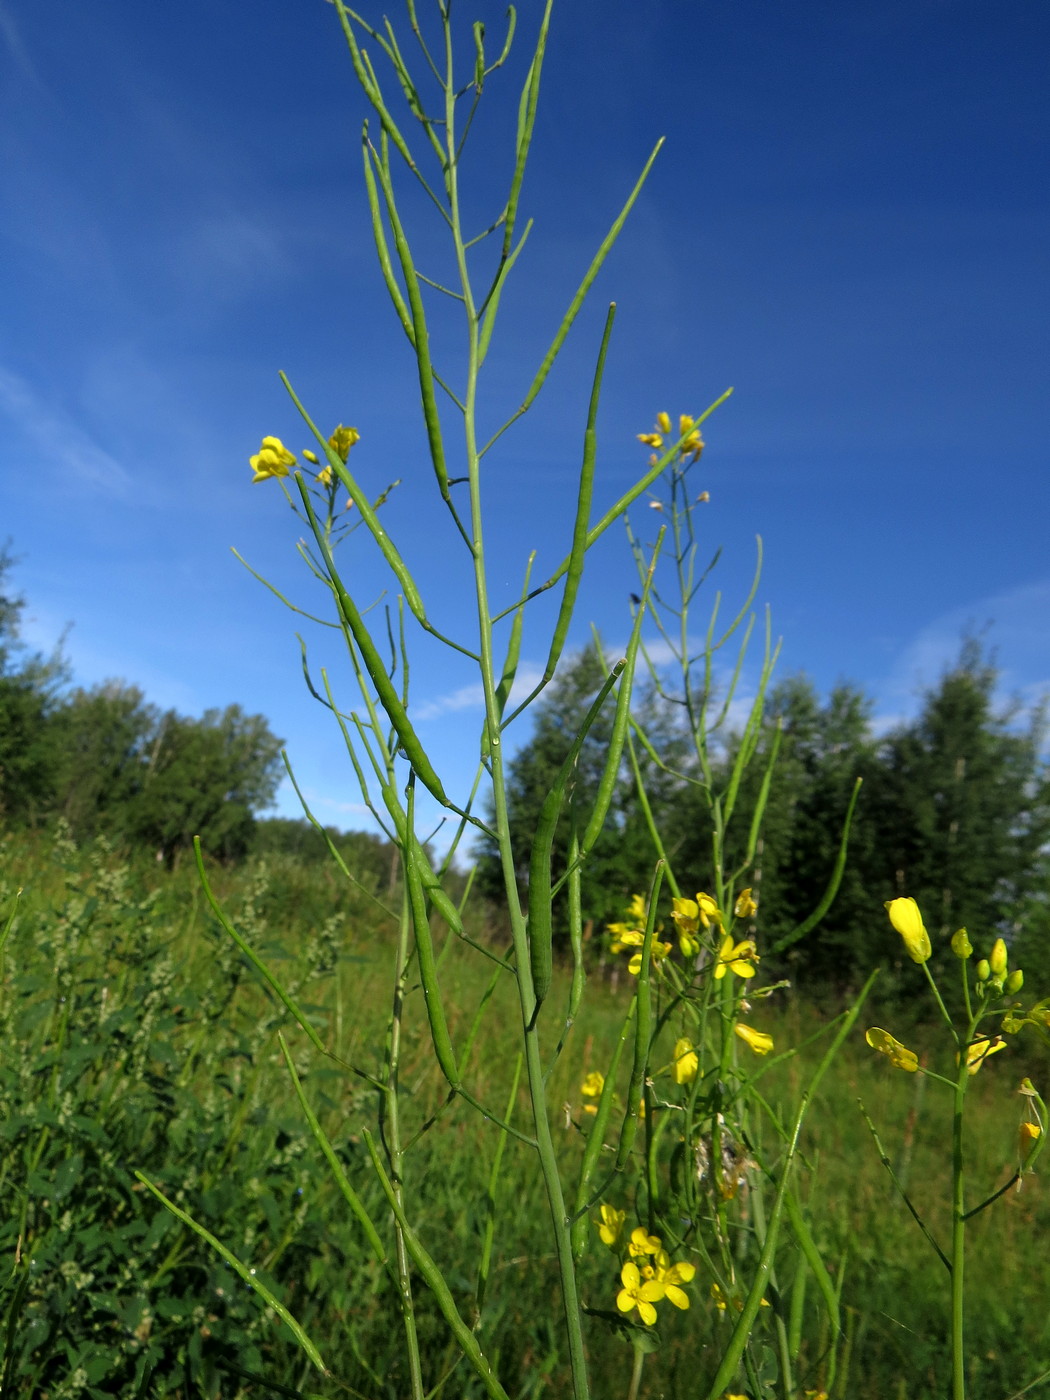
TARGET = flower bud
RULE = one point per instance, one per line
(906, 919)
(983, 970)
(997, 957)
(1015, 981)
(961, 945)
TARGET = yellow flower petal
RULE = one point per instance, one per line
(899, 1055)
(684, 1062)
(745, 906)
(759, 1042)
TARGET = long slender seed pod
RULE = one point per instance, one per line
(621, 722)
(446, 1056)
(351, 1197)
(273, 982)
(596, 1138)
(749, 1312)
(526, 125)
(419, 325)
(540, 923)
(248, 1276)
(642, 1029)
(834, 882)
(391, 702)
(584, 496)
(489, 1232)
(615, 512)
(510, 663)
(386, 267)
(434, 1280)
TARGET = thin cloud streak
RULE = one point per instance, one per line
(61, 441)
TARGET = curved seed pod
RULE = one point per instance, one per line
(540, 925)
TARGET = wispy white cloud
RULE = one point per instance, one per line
(472, 697)
(1013, 625)
(62, 445)
(10, 35)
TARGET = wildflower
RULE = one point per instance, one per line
(663, 422)
(997, 958)
(672, 1276)
(651, 440)
(272, 459)
(636, 1294)
(342, 440)
(736, 957)
(591, 1088)
(694, 443)
(1028, 1134)
(658, 951)
(325, 476)
(961, 945)
(685, 1062)
(719, 1299)
(610, 1225)
(642, 1243)
(759, 1042)
(745, 906)
(978, 1052)
(906, 919)
(310, 456)
(899, 1055)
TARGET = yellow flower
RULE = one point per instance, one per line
(651, 439)
(745, 906)
(685, 1062)
(642, 1243)
(978, 1052)
(659, 952)
(663, 422)
(694, 443)
(636, 1294)
(610, 1225)
(592, 1087)
(899, 1055)
(736, 957)
(342, 440)
(1028, 1134)
(719, 1299)
(325, 476)
(672, 1276)
(272, 459)
(759, 1042)
(906, 919)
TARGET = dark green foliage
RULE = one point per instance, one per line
(622, 859)
(109, 763)
(954, 811)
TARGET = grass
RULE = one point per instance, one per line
(136, 1038)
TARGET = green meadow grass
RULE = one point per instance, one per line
(136, 1038)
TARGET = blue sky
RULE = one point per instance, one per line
(848, 223)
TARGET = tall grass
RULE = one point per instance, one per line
(133, 1039)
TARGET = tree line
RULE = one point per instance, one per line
(954, 810)
(110, 763)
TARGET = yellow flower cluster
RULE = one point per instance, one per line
(690, 443)
(274, 459)
(647, 1275)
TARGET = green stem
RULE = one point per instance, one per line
(959, 1229)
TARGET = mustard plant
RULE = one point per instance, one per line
(988, 992)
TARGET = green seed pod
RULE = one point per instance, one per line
(961, 945)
